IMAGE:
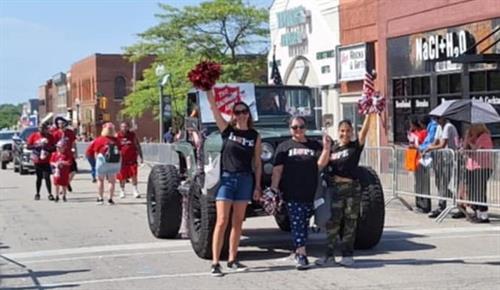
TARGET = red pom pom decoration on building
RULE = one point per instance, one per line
(205, 75)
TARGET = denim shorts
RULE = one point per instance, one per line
(235, 186)
(106, 169)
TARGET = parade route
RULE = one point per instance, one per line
(81, 245)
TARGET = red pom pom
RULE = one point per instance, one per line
(205, 75)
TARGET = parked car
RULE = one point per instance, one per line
(22, 155)
(6, 147)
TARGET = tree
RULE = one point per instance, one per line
(9, 115)
(228, 31)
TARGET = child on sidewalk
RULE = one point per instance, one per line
(61, 165)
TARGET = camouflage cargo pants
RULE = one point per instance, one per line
(345, 205)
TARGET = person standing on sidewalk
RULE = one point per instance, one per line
(130, 150)
(342, 179)
(479, 167)
(240, 154)
(107, 155)
(443, 161)
(295, 173)
(42, 145)
(66, 133)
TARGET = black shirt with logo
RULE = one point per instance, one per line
(300, 169)
(238, 149)
(344, 160)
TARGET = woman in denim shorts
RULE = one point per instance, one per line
(240, 153)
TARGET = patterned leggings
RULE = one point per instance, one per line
(299, 214)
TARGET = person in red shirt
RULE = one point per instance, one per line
(107, 154)
(61, 166)
(42, 145)
(90, 155)
(63, 132)
(130, 150)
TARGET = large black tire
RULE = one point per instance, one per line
(164, 202)
(16, 166)
(4, 165)
(202, 217)
(372, 215)
(282, 219)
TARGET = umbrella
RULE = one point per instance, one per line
(470, 111)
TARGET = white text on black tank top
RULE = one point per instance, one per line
(241, 140)
(300, 152)
(339, 155)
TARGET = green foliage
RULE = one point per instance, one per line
(9, 115)
(227, 31)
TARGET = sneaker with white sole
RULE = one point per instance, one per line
(325, 261)
(100, 201)
(346, 261)
(236, 266)
(137, 194)
(301, 262)
(216, 271)
(122, 194)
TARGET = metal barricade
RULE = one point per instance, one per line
(434, 179)
(159, 153)
(479, 178)
(382, 161)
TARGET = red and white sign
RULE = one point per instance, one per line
(226, 95)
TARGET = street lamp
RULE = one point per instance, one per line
(77, 104)
(163, 79)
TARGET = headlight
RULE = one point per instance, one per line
(267, 152)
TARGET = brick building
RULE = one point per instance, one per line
(45, 95)
(99, 84)
(411, 45)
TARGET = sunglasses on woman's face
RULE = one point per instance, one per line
(295, 127)
(239, 112)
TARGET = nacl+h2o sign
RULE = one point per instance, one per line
(438, 47)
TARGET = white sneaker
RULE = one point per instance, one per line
(346, 261)
(136, 193)
(122, 194)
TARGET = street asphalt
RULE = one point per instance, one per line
(82, 245)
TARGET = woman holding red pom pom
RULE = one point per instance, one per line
(240, 153)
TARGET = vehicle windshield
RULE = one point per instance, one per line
(277, 101)
(6, 135)
(27, 132)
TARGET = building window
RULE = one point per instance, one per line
(120, 88)
(325, 54)
(350, 112)
(478, 81)
(325, 69)
(494, 80)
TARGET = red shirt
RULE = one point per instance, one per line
(129, 150)
(68, 134)
(90, 152)
(34, 141)
(421, 134)
(100, 144)
(62, 167)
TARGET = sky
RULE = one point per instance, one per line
(39, 38)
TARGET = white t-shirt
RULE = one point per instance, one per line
(438, 133)
(450, 133)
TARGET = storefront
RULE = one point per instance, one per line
(422, 74)
(305, 35)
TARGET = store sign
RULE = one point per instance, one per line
(422, 103)
(352, 63)
(402, 104)
(292, 17)
(293, 38)
(436, 47)
(493, 99)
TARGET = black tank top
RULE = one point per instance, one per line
(238, 148)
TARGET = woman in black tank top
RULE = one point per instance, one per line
(342, 177)
(240, 153)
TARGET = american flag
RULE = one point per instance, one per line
(275, 72)
(368, 86)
